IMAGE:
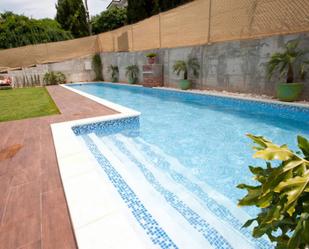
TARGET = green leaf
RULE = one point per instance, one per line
(257, 170)
(292, 164)
(274, 153)
(303, 144)
(251, 198)
(293, 182)
(296, 237)
(248, 223)
(293, 188)
(305, 233)
(247, 187)
(259, 140)
(265, 200)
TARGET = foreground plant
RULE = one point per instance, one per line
(282, 194)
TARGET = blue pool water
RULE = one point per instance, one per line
(191, 150)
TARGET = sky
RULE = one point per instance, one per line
(45, 8)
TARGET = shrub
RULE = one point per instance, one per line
(97, 67)
(54, 78)
(282, 194)
(132, 72)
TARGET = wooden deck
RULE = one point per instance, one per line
(33, 210)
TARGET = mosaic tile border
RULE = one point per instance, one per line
(108, 127)
(157, 235)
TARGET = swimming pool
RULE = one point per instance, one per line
(177, 165)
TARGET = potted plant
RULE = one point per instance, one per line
(132, 72)
(151, 58)
(115, 72)
(291, 63)
(185, 67)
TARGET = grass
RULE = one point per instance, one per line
(24, 103)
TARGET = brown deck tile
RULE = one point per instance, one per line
(33, 210)
(4, 193)
(23, 201)
(54, 213)
(16, 235)
(34, 245)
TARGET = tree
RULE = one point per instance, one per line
(141, 9)
(18, 30)
(167, 5)
(110, 19)
(71, 15)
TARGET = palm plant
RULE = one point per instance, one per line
(115, 71)
(287, 61)
(186, 66)
(132, 72)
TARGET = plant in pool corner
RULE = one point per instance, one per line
(132, 72)
(290, 63)
(282, 194)
(97, 67)
(115, 72)
(184, 67)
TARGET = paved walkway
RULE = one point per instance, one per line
(33, 210)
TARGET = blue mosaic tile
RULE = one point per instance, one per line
(156, 234)
(109, 127)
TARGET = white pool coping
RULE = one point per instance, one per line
(98, 214)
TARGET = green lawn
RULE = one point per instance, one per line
(24, 103)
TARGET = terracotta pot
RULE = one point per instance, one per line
(151, 60)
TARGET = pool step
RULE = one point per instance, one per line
(182, 234)
(196, 215)
(216, 202)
